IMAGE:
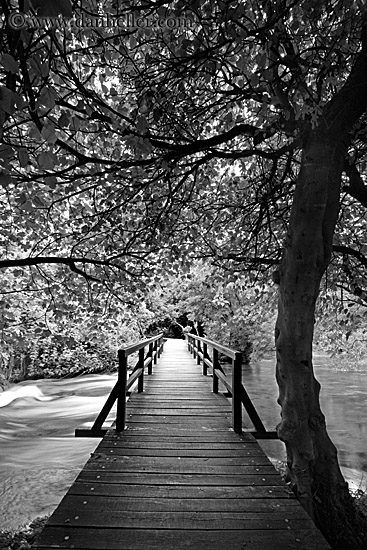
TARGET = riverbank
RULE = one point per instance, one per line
(354, 533)
(23, 538)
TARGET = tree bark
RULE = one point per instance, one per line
(311, 456)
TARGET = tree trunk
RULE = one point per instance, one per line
(312, 457)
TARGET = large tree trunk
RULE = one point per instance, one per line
(311, 455)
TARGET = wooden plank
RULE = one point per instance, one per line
(198, 400)
(172, 384)
(130, 539)
(155, 478)
(177, 468)
(178, 520)
(205, 437)
(206, 420)
(176, 429)
(180, 443)
(167, 449)
(143, 406)
(183, 491)
(201, 436)
(257, 457)
(137, 415)
(181, 461)
(252, 507)
(172, 411)
(174, 391)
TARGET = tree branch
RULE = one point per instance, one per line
(346, 250)
(58, 260)
(349, 104)
(356, 187)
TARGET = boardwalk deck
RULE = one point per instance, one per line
(179, 478)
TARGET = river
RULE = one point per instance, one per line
(40, 457)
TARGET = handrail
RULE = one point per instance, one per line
(124, 384)
(229, 352)
(198, 346)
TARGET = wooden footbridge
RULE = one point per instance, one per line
(177, 472)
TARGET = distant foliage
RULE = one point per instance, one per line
(234, 312)
(67, 334)
(341, 328)
(64, 336)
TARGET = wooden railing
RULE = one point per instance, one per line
(149, 353)
(198, 346)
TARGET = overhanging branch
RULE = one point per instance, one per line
(348, 251)
(58, 260)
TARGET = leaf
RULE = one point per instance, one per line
(51, 181)
(48, 97)
(38, 201)
(38, 68)
(5, 180)
(6, 152)
(9, 63)
(142, 124)
(64, 120)
(7, 100)
(35, 133)
(22, 198)
(23, 157)
(46, 161)
(48, 133)
(76, 123)
(27, 206)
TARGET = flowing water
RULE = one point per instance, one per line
(40, 457)
(343, 401)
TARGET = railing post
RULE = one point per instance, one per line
(155, 351)
(141, 365)
(205, 355)
(121, 399)
(198, 355)
(236, 393)
(150, 354)
(215, 365)
(194, 347)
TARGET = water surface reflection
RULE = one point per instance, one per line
(343, 400)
